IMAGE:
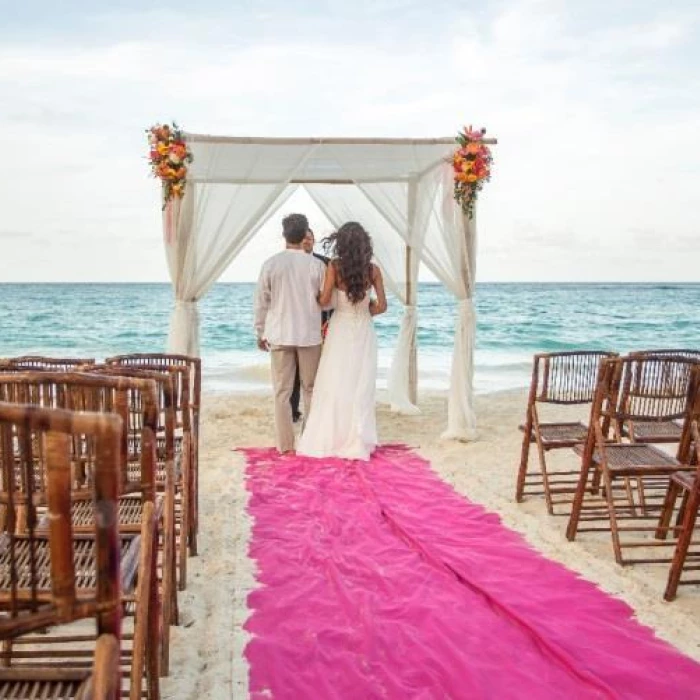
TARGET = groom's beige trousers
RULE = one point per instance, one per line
(284, 366)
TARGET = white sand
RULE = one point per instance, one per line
(207, 649)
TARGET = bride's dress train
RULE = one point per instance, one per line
(342, 421)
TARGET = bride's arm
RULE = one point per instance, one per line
(378, 306)
(326, 294)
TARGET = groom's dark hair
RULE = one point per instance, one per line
(294, 228)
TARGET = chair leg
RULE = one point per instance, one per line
(681, 551)
(577, 503)
(524, 458)
(192, 534)
(154, 620)
(610, 500)
(184, 513)
(143, 641)
(545, 476)
(168, 566)
(681, 514)
(667, 511)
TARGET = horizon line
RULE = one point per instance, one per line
(427, 282)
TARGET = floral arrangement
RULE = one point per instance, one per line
(472, 167)
(169, 156)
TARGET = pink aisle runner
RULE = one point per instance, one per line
(379, 581)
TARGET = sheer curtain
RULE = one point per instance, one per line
(381, 214)
(223, 207)
(450, 253)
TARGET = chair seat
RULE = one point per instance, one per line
(635, 459)
(685, 480)
(651, 431)
(83, 556)
(561, 434)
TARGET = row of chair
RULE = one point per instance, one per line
(98, 505)
(638, 456)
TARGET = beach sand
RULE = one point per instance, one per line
(207, 649)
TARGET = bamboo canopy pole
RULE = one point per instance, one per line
(411, 295)
(352, 141)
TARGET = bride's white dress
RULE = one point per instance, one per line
(342, 421)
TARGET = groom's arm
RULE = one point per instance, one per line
(262, 306)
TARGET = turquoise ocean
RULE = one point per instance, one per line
(514, 321)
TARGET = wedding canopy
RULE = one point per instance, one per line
(401, 190)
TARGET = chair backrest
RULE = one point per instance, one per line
(566, 377)
(125, 396)
(680, 352)
(52, 364)
(29, 600)
(649, 389)
(166, 381)
(180, 369)
(152, 360)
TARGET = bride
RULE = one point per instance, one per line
(342, 421)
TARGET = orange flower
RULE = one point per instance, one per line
(473, 147)
(179, 150)
(472, 178)
(180, 174)
(162, 148)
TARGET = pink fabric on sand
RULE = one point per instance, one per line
(377, 580)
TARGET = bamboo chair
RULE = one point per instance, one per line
(668, 432)
(42, 579)
(687, 486)
(52, 364)
(634, 476)
(188, 394)
(165, 479)
(565, 378)
(111, 395)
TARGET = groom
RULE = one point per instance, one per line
(288, 322)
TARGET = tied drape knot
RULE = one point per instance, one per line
(466, 310)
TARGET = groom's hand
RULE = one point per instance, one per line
(263, 345)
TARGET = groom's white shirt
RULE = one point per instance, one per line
(286, 305)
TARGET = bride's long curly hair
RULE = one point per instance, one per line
(351, 249)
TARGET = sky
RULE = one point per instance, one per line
(595, 104)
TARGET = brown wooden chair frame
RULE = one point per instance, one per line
(32, 609)
(562, 378)
(632, 388)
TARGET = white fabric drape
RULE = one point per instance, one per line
(381, 217)
(398, 383)
(450, 253)
(211, 224)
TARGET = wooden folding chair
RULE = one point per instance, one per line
(687, 553)
(188, 401)
(564, 378)
(634, 476)
(42, 577)
(110, 395)
(166, 476)
(668, 432)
